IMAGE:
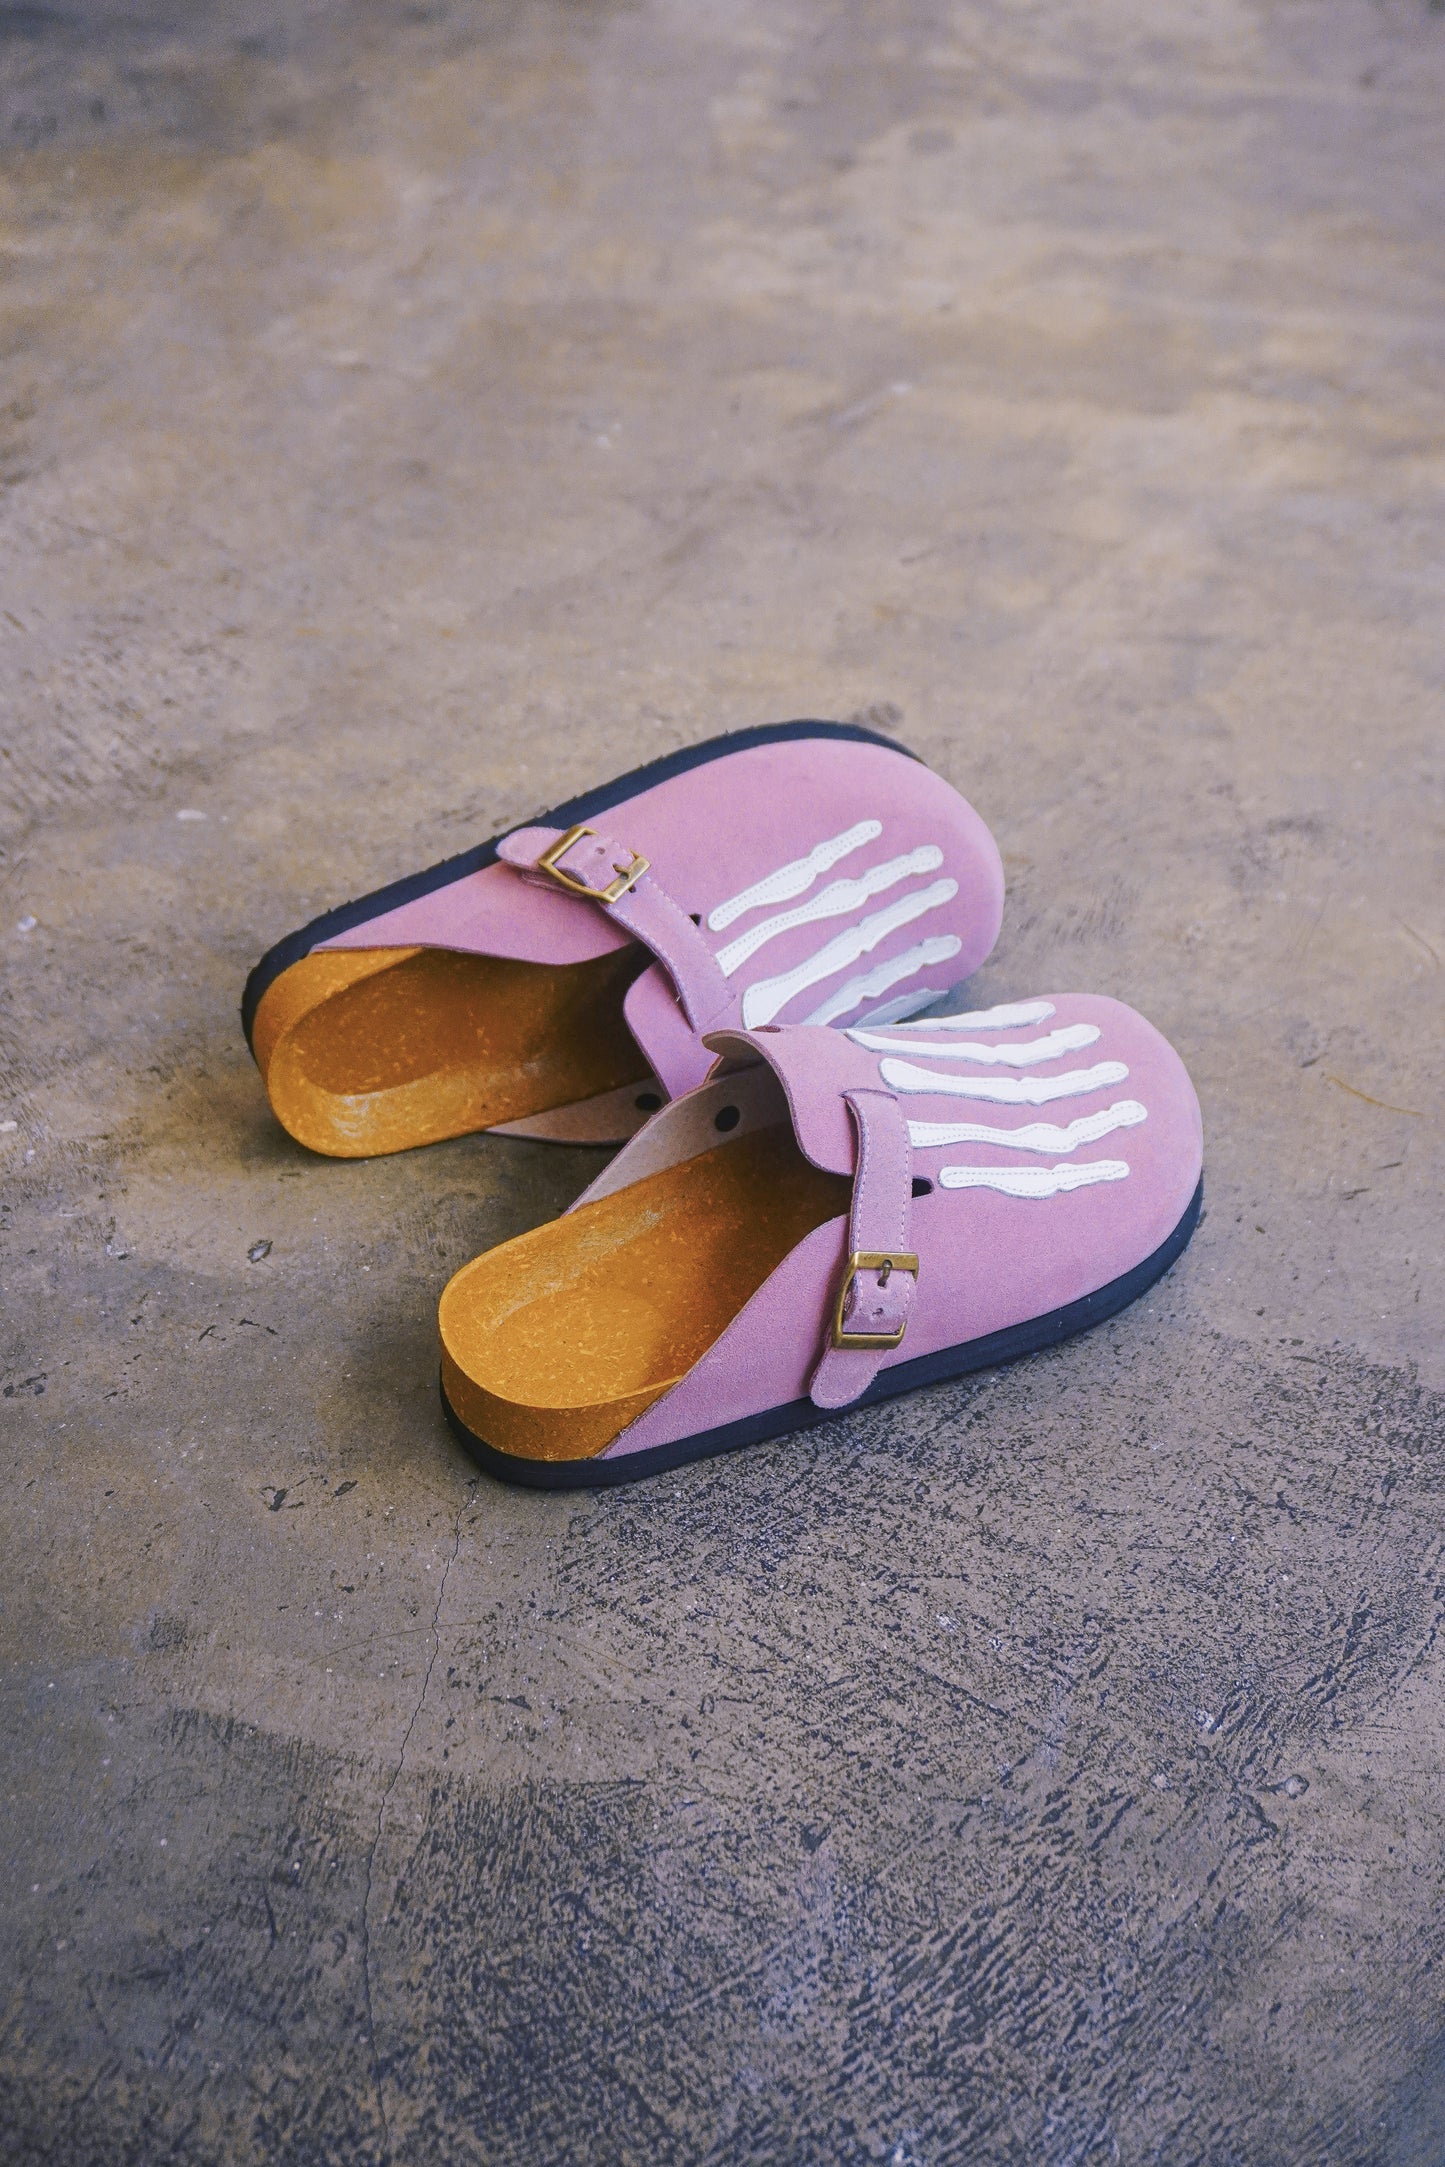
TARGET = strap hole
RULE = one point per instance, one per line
(647, 1102)
(922, 1186)
(726, 1118)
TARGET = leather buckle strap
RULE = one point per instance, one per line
(885, 1262)
(880, 1279)
(598, 869)
(627, 875)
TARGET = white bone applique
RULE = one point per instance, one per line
(762, 1001)
(1013, 1015)
(1033, 1181)
(1074, 1083)
(1070, 1038)
(836, 901)
(1038, 1182)
(905, 1004)
(794, 879)
(1034, 1135)
(938, 948)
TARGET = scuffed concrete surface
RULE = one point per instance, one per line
(411, 415)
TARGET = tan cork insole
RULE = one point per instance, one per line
(372, 1050)
(554, 1342)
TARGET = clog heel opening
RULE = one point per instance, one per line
(554, 1342)
(375, 1050)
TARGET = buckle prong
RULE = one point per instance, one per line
(627, 875)
(885, 1262)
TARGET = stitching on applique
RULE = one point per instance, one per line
(1033, 1181)
(939, 948)
(1016, 1181)
(1012, 1015)
(1003, 1090)
(766, 996)
(1035, 1136)
(795, 878)
(1071, 1038)
(835, 901)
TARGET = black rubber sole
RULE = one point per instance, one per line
(346, 915)
(1031, 1337)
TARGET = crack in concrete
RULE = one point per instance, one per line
(381, 1806)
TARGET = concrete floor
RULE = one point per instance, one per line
(411, 415)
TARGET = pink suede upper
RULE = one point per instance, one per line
(987, 1260)
(715, 831)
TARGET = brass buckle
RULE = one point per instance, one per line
(627, 875)
(871, 1260)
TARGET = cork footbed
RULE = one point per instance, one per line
(371, 1050)
(554, 1342)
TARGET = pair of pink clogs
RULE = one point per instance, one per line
(824, 1196)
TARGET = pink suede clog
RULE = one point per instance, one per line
(831, 1218)
(557, 983)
